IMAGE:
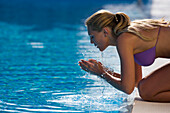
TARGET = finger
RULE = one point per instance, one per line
(84, 68)
(85, 62)
(79, 62)
(93, 61)
(89, 64)
(100, 63)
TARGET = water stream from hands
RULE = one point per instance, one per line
(102, 61)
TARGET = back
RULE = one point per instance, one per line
(163, 46)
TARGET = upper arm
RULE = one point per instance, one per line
(125, 50)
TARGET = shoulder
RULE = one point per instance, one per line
(126, 40)
(125, 45)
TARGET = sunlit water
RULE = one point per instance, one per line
(39, 69)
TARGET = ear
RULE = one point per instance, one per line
(106, 31)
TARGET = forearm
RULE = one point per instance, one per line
(111, 72)
(113, 81)
(118, 83)
(114, 74)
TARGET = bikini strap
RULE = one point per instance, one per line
(158, 35)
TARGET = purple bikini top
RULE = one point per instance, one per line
(147, 57)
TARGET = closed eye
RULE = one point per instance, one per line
(91, 36)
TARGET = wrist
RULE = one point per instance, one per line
(103, 74)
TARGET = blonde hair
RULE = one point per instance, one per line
(146, 24)
(120, 22)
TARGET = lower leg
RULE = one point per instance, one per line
(156, 86)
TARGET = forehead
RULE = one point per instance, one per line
(89, 29)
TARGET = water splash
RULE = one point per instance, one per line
(102, 60)
(102, 57)
(92, 99)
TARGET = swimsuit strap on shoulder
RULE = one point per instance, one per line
(158, 35)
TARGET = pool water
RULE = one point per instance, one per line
(41, 44)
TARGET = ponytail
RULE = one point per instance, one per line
(122, 22)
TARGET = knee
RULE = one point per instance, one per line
(144, 90)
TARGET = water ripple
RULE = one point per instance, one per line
(10, 107)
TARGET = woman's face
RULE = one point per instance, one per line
(98, 39)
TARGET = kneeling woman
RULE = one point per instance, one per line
(138, 43)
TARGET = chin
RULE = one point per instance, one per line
(102, 49)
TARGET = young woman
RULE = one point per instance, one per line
(138, 43)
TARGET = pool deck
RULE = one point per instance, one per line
(141, 106)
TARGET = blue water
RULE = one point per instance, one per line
(41, 43)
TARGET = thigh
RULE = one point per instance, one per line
(156, 82)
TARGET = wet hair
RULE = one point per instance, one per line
(120, 22)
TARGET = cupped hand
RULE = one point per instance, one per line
(92, 66)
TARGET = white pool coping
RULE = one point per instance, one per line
(141, 106)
